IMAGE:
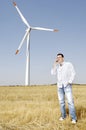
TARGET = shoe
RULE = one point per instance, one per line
(73, 121)
(61, 119)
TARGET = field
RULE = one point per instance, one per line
(37, 108)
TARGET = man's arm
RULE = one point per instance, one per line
(72, 71)
(53, 70)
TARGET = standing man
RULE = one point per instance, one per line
(65, 76)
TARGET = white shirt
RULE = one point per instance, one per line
(65, 73)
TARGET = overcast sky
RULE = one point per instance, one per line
(69, 16)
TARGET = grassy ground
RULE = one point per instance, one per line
(37, 108)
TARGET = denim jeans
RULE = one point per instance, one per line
(66, 91)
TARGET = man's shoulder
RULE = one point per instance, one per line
(67, 63)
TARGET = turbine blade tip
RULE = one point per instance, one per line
(16, 52)
(56, 30)
(14, 3)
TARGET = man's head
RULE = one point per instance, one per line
(60, 58)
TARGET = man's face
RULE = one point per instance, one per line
(60, 59)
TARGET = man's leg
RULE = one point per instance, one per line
(61, 97)
(69, 96)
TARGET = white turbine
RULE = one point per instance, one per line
(27, 36)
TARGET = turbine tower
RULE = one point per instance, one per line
(27, 37)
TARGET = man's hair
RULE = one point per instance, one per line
(60, 54)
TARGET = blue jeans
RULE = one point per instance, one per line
(66, 91)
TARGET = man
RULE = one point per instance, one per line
(65, 76)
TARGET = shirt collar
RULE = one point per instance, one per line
(62, 64)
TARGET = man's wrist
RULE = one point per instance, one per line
(69, 83)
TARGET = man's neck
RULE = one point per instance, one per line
(61, 63)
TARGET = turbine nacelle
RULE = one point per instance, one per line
(28, 29)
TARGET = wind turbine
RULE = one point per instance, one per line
(27, 37)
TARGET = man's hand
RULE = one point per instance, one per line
(69, 83)
(55, 63)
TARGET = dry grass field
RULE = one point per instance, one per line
(37, 108)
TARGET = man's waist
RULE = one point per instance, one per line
(61, 84)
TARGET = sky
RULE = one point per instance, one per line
(68, 16)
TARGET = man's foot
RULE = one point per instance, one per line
(61, 119)
(73, 121)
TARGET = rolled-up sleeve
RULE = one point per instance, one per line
(53, 71)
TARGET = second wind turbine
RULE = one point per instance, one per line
(27, 37)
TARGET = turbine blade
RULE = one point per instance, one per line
(56, 30)
(17, 51)
(22, 42)
(44, 29)
(21, 15)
